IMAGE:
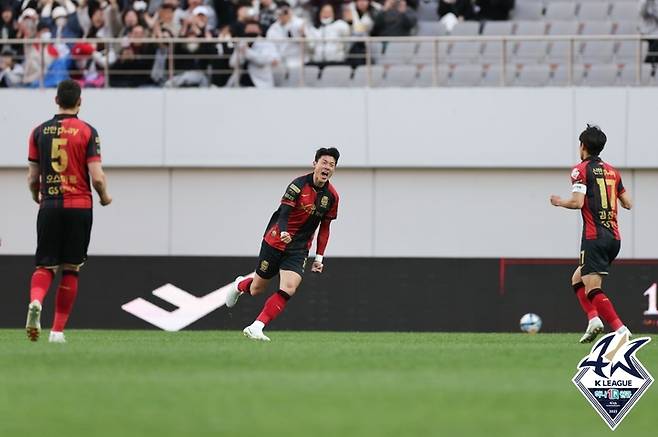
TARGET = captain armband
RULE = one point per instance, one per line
(579, 188)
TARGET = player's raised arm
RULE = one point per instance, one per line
(99, 182)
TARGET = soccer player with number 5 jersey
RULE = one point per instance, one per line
(309, 201)
(63, 152)
(596, 187)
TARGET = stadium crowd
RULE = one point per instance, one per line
(207, 55)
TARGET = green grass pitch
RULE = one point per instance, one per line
(151, 383)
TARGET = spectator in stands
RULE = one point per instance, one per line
(396, 19)
(649, 15)
(461, 9)
(221, 69)
(245, 13)
(165, 17)
(187, 16)
(226, 12)
(287, 25)
(133, 68)
(9, 27)
(130, 19)
(104, 21)
(191, 58)
(494, 10)
(326, 50)
(266, 14)
(254, 60)
(11, 72)
(201, 20)
(59, 19)
(360, 16)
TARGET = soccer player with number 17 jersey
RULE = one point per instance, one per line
(596, 187)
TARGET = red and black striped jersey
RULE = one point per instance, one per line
(601, 184)
(62, 146)
(310, 206)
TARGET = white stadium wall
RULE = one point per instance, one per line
(424, 173)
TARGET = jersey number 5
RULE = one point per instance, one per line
(59, 157)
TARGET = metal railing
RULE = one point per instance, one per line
(375, 52)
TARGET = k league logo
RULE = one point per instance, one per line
(611, 378)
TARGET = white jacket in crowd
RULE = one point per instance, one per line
(325, 50)
(292, 54)
(259, 59)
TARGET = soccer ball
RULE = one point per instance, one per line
(530, 323)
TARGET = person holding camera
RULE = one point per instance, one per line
(11, 73)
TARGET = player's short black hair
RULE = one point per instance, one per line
(593, 139)
(323, 151)
(68, 94)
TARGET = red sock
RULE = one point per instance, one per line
(587, 306)
(245, 285)
(273, 306)
(66, 293)
(605, 308)
(41, 280)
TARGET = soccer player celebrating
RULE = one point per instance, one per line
(63, 152)
(309, 201)
(596, 186)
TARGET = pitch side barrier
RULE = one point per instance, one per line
(354, 294)
(433, 57)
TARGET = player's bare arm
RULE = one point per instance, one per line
(323, 239)
(33, 180)
(625, 200)
(576, 201)
(99, 182)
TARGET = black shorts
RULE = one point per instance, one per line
(271, 260)
(597, 255)
(62, 236)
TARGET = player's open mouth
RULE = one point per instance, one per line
(324, 173)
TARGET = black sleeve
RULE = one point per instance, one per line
(284, 214)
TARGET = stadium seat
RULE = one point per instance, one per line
(335, 76)
(431, 28)
(427, 11)
(625, 11)
(311, 76)
(463, 51)
(629, 72)
(560, 10)
(528, 10)
(626, 28)
(491, 75)
(425, 78)
(360, 78)
(465, 75)
(425, 53)
(559, 50)
(398, 52)
(492, 49)
(601, 75)
(626, 51)
(594, 11)
(560, 75)
(533, 75)
(597, 51)
(530, 51)
(400, 76)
